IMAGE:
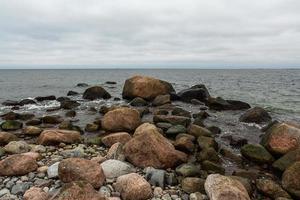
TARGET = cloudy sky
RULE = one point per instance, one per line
(156, 33)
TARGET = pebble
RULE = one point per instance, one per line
(53, 170)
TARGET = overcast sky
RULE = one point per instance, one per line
(158, 33)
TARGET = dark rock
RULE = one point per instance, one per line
(181, 112)
(212, 167)
(161, 100)
(51, 119)
(111, 82)
(156, 177)
(287, 160)
(271, 189)
(6, 137)
(221, 104)
(46, 98)
(201, 115)
(164, 126)
(33, 122)
(255, 115)
(10, 116)
(26, 102)
(92, 127)
(214, 130)
(61, 99)
(175, 120)
(193, 184)
(185, 144)
(256, 153)
(188, 170)
(72, 93)
(82, 85)
(291, 181)
(197, 131)
(198, 92)
(11, 125)
(208, 154)
(70, 113)
(69, 104)
(96, 92)
(10, 103)
(138, 101)
(174, 130)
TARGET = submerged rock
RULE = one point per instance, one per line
(255, 115)
(45, 98)
(26, 102)
(145, 87)
(96, 92)
(69, 104)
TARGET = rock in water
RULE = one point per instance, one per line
(291, 180)
(220, 187)
(96, 92)
(282, 138)
(148, 148)
(56, 136)
(145, 87)
(255, 115)
(161, 100)
(11, 125)
(17, 165)
(79, 169)
(257, 153)
(133, 186)
(198, 92)
(121, 119)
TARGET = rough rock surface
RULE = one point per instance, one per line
(56, 136)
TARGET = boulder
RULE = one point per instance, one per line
(115, 168)
(198, 92)
(220, 187)
(161, 100)
(222, 104)
(145, 87)
(282, 138)
(133, 186)
(72, 93)
(188, 170)
(16, 147)
(174, 130)
(271, 189)
(56, 136)
(35, 193)
(69, 104)
(172, 119)
(17, 165)
(113, 138)
(149, 148)
(11, 125)
(26, 102)
(192, 184)
(256, 153)
(291, 180)
(287, 160)
(184, 144)
(197, 131)
(96, 92)
(51, 119)
(79, 169)
(32, 130)
(45, 98)
(6, 137)
(78, 190)
(255, 115)
(121, 119)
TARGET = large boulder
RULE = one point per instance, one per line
(78, 190)
(79, 169)
(17, 165)
(145, 87)
(133, 186)
(220, 187)
(291, 180)
(96, 92)
(255, 115)
(198, 92)
(282, 138)
(149, 148)
(6, 137)
(256, 153)
(121, 119)
(56, 136)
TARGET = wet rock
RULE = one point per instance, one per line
(121, 119)
(157, 151)
(174, 130)
(96, 92)
(145, 87)
(192, 184)
(11, 125)
(161, 100)
(208, 154)
(282, 138)
(45, 98)
(16, 147)
(212, 167)
(111, 82)
(69, 104)
(197, 131)
(78, 190)
(52, 170)
(116, 152)
(10, 103)
(287, 160)
(156, 177)
(115, 168)
(214, 130)
(25, 116)
(220, 187)
(201, 115)
(172, 119)
(181, 112)
(222, 104)
(256, 153)
(255, 115)
(32, 130)
(56, 136)
(92, 127)
(251, 174)
(82, 85)
(78, 169)
(70, 113)
(185, 144)
(33, 122)
(238, 105)
(236, 141)
(35, 193)
(72, 93)
(10, 116)
(271, 189)
(188, 170)
(198, 92)
(6, 137)
(111, 139)
(133, 186)
(26, 102)
(138, 101)
(51, 119)
(16, 165)
(61, 99)
(95, 140)
(290, 179)
(207, 142)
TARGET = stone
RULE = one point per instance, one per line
(45, 98)
(174, 130)
(70, 113)
(271, 189)
(156, 152)
(72, 93)
(51, 119)
(290, 179)
(198, 92)
(220, 187)
(113, 138)
(192, 184)
(10, 103)
(77, 152)
(79, 169)
(26, 102)
(121, 119)
(6, 137)
(25, 116)
(96, 92)
(133, 186)
(212, 167)
(188, 170)
(4, 191)
(256, 153)
(196, 196)
(11, 125)
(145, 87)
(184, 144)
(222, 104)
(208, 154)
(16, 147)
(172, 119)
(115, 168)
(197, 131)
(52, 170)
(281, 138)
(16, 165)
(32, 130)
(156, 177)
(207, 142)
(287, 160)
(35, 193)
(56, 136)
(92, 127)
(181, 112)
(78, 190)
(138, 101)
(20, 188)
(69, 104)
(116, 152)
(82, 85)
(161, 100)
(255, 115)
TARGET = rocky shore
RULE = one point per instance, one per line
(147, 147)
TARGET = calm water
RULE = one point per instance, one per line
(276, 90)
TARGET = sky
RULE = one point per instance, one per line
(156, 33)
